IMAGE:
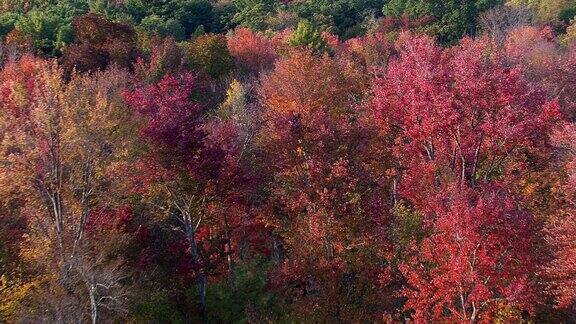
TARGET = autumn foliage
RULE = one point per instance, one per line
(332, 171)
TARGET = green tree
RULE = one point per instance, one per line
(342, 17)
(43, 28)
(49, 25)
(136, 9)
(449, 19)
(7, 21)
(188, 14)
(107, 8)
(209, 53)
(192, 14)
(253, 13)
(307, 35)
(160, 26)
(243, 298)
(157, 307)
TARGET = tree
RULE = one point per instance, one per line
(12, 285)
(475, 264)
(19, 40)
(193, 14)
(209, 54)
(100, 42)
(561, 271)
(244, 297)
(561, 81)
(252, 51)
(325, 206)
(544, 63)
(370, 50)
(450, 20)
(7, 21)
(62, 143)
(49, 26)
(307, 36)
(84, 58)
(159, 26)
(467, 127)
(253, 13)
(341, 17)
(498, 22)
(561, 227)
(42, 28)
(462, 112)
(570, 37)
(190, 170)
(166, 58)
(545, 10)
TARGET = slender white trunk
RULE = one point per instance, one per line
(93, 303)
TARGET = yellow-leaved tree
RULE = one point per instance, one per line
(61, 147)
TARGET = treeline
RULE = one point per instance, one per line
(47, 25)
(298, 161)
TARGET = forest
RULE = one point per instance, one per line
(287, 161)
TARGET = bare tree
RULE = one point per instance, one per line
(105, 284)
(499, 21)
(187, 209)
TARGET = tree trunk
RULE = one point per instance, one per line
(93, 304)
(276, 251)
(201, 277)
(227, 243)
